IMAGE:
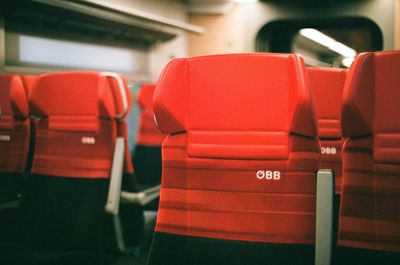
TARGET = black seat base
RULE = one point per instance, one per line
(354, 256)
(13, 255)
(169, 249)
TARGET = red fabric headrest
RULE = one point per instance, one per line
(13, 97)
(327, 85)
(239, 92)
(358, 97)
(371, 103)
(371, 96)
(387, 92)
(79, 94)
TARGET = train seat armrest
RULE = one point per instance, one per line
(324, 217)
(143, 197)
(114, 192)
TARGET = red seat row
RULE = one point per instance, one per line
(76, 119)
(239, 161)
(244, 143)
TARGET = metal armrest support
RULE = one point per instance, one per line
(143, 197)
(114, 192)
(324, 217)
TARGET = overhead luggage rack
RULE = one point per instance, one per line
(92, 19)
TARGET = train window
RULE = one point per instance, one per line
(34, 51)
(320, 49)
(322, 42)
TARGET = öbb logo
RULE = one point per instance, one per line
(268, 175)
(5, 138)
(88, 140)
(328, 150)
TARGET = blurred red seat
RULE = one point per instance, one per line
(369, 221)
(147, 153)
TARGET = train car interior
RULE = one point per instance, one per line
(199, 132)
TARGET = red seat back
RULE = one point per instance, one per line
(369, 214)
(147, 153)
(77, 118)
(327, 85)
(149, 134)
(14, 124)
(77, 124)
(240, 159)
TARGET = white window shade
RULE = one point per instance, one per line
(34, 54)
(42, 51)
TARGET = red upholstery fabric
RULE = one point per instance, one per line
(230, 118)
(149, 134)
(370, 206)
(14, 124)
(77, 124)
(327, 84)
(29, 82)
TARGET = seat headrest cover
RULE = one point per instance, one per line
(387, 92)
(327, 85)
(358, 93)
(81, 94)
(145, 96)
(304, 120)
(372, 95)
(13, 97)
(237, 92)
(65, 97)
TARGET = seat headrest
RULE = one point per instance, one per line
(80, 93)
(237, 92)
(327, 85)
(145, 96)
(84, 94)
(13, 97)
(371, 96)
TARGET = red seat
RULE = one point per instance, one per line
(77, 118)
(369, 221)
(147, 153)
(14, 135)
(239, 161)
(83, 114)
(149, 134)
(327, 84)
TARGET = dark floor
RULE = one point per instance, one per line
(138, 256)
(132, 259)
